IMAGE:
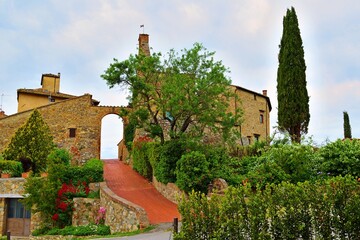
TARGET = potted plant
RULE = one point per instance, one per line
(6, 173)
(44, 172)
(25, 174)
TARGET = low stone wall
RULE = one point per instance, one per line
(121, 215)
(12, 186)
(170, 190)
(85, 211)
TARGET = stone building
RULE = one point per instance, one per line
(74, 121)
(256, 109)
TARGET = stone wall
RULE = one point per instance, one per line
(78, 113)
(85, 211)
(12, 186)
(169, 191)
(121, 215)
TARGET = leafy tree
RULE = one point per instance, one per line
(32, 141)
(292, 95)
(347, 127)
(185, 93)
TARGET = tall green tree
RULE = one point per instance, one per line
(347, 127)
(176, 94)
(292, 95)
(32, 141)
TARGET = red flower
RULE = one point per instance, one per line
(63, 206)
(55, 217)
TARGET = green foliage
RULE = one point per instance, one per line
(170, 153)
(294, 163)
(129, 133)
(140, 156)
(14, 167)
(86, 230)
(92, 171)
(158, 84)
(192, 172)
(59, 156)
(340, 158)
(347, 127)
(327, 209)
(292, 95)
(32, 141)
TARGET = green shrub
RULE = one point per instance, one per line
(294, 163)
(14, 167)
(59, 156)
(169, 154)
(341, 158)
(192, 172)
(222, 165)
(141, 161)
(93, 170)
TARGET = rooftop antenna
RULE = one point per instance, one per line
(143, 27)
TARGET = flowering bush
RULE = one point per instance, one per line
(64, 202)
(100, 219)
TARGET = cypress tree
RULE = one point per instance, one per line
(292, 95)
(32, 141)
(347, 127)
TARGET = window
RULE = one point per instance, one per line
(249, 139)
(261, 118)
(72, 132)
(254, 96)
(16, 209)
(257, 137)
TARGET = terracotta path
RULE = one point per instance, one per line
(130, 185)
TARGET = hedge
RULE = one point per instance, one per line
(327, 209)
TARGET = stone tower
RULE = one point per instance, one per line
(144, 44)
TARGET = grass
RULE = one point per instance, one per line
(120, 234)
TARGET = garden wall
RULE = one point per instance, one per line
(86, 210)
(170, 190)
(121, 215)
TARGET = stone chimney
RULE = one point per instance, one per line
(265, 92)
(144, 44)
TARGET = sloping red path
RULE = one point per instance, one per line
(130, 185)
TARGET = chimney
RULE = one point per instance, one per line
(265, 92)
(144, 44)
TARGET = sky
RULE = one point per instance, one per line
(80, 38)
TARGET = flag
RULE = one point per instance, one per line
(142, 25)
